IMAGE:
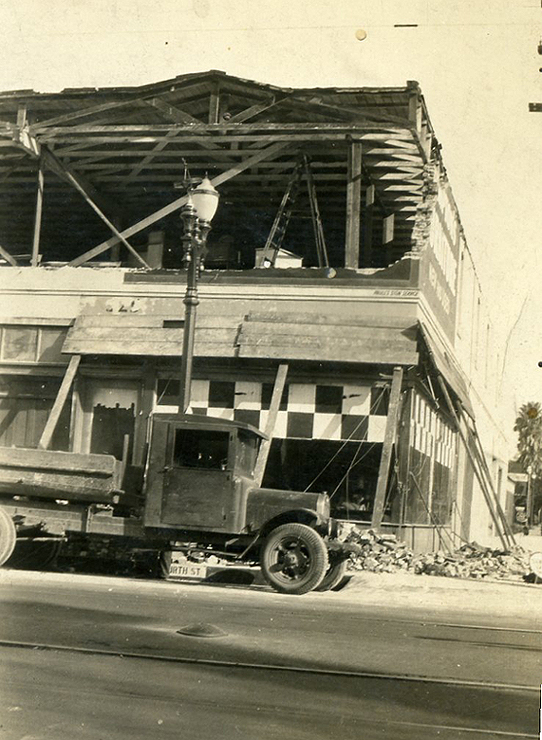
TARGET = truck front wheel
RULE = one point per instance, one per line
(294, 559)
(8, 535)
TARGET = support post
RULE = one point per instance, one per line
(353, 206)
(37, 220)
(477, 472)
(367, 254)
(529, 504)
(60, 400)
(274, 407)
(387, 448)
(214, 104)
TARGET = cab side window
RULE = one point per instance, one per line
(201, 448)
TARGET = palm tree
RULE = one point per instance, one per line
(529, 428)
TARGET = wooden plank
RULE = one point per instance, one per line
(353, 206)
(330, 353)
(274, 407)
(37, 219)
(300, 331)
(178, 203)
(390, 435)
(60, 400)
(95, 464)
(151, 335)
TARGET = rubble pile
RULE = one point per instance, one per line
(383, 553)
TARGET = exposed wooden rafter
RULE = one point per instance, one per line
(271, 151)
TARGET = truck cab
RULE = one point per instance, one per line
(200, 476)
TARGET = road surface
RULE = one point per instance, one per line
(102, 658)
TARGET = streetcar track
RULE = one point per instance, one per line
(271, 667)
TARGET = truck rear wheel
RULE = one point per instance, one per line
(8, 535)
(294, 559)
(334, 575)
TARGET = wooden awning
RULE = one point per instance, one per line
(274, 336)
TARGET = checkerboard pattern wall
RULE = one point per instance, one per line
(307, 411)
(429, 434)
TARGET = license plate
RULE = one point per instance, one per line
(185, 569)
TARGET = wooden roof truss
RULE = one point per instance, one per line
(122, 151)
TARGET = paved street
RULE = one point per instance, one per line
(95, 657)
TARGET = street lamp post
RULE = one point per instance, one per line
(197, 215)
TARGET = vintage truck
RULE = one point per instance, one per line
(197, 493)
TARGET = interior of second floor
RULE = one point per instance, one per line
(328, 178)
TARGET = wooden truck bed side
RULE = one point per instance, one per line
(51, 474)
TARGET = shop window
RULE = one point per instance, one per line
(19, 344)
(25, 404)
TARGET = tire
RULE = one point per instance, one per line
(334, 575)
(293, 559)
(8, 535)
(34, 555)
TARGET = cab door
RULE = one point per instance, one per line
(197, 483)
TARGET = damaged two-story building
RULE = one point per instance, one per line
(336, 250)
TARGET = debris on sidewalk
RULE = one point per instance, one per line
(383, 553)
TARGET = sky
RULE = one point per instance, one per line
(476, 62)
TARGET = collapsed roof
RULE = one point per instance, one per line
(79, 166)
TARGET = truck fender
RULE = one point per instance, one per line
(303, 516)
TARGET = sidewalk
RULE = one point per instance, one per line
(520, 602)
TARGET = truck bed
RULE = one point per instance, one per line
(50, 474)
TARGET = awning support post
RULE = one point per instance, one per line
(502, 535)
(389, 440)
(263, 455)
(60, 400)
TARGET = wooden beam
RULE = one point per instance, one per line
(50, 158)
(171, 111)
(475, 465)
(7, 256)
(146, 160)
(254, 110)
(271, 151)
(387, 448)
(368, 218)
(58, 405)
(214, 104)
(114, 105)
(389, 134)
(263, 455)
(353, 206)
(37, 220)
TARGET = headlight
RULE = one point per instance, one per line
(323, 506)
